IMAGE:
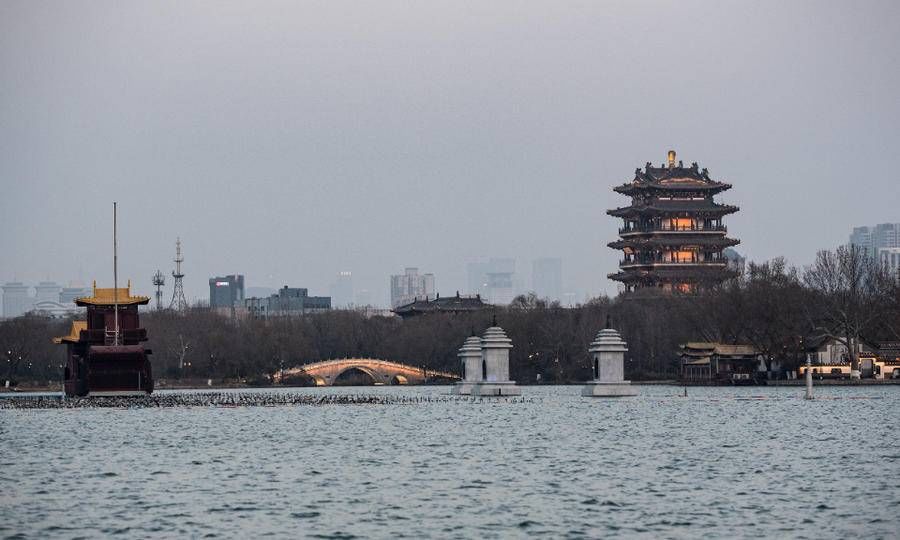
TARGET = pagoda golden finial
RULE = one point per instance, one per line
(671, 158)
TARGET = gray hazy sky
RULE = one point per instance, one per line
(291, 140)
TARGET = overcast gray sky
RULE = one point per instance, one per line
(291, 140)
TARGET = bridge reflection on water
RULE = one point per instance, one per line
(328, 372)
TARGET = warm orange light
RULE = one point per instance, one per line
(683, 256)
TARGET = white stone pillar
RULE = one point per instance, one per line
(495, 348)
(608, 363)
(470, 357)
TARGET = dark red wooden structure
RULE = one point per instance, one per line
(105, 358)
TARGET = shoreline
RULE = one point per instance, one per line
(6, 392)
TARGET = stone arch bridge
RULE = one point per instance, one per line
(380, 371)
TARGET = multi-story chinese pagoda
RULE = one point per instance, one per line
(673, 234)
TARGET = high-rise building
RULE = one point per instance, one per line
(494, 280)
(226, 292)
(342, 290)
(47, 291)
(363, 298)
(890, 257)
(672, 235)
(500, 280)
(873, 238)
(410, 286)
(68, 294)
(546, 278)
(476, 272)
(16, 300)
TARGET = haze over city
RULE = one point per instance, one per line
(288, 142)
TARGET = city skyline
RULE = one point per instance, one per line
(342, 154)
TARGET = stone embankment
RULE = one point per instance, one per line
(227, 399)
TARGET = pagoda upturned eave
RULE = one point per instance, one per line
(698, 272)
(631, 188)
(673, 207)
(674, 240)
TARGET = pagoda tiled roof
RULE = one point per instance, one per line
(690, 272)
(678, 178)
(693, 351)
(676, 239)
(664, 206)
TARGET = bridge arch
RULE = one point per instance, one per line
(325, 373)
(358, 369)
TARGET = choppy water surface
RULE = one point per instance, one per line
(720, 463)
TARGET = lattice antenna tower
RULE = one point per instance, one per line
(178, 301)
(159, 279)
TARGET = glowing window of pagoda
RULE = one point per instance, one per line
(684, 287)
(679, 224)
(683, 255)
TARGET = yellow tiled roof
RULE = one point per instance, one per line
(74, 333)
(107, 297)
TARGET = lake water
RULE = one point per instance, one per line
(723, 462)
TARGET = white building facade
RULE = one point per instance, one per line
(411, 286)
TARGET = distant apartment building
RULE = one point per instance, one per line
(873, 238)
(16, 299)
(494, 280)
(364, 298)
(288, 301)
(49, 299)
(890, 257)
(410, 286)
(476, 273)
(68, 294)
(546, 278)
(47, 291)
(342, 290)
(226, 292)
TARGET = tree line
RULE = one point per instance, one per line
(776, 308)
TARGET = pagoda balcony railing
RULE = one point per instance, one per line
(100, 336)
(647, 261)
(673, 228)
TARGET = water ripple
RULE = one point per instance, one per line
(725, 462)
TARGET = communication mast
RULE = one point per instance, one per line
(178, 301)
(159, 280)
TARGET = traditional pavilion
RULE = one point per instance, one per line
(105, 353)
(673, 235)
(441, 304)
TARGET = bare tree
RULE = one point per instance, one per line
(850, 295)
